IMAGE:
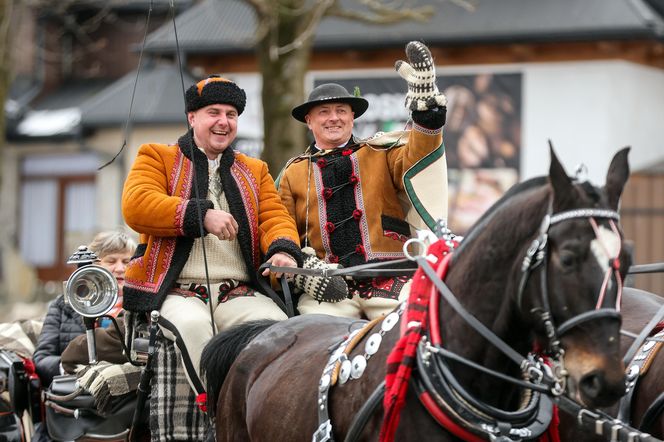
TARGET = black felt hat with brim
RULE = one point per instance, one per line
(330, 93)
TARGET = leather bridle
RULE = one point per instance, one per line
(535, 258)
(539, 377)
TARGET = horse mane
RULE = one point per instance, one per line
(495, 244)
(220, 353)
(488, 215)
(586, 188)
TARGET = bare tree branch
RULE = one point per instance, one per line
(316, 15)
(383, 13)
(6, 19)
(269, 14)
(264, 17)
(294, 11)
(81, 30)
(468, 5)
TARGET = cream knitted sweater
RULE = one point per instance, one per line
(224, 258)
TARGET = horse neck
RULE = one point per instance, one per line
(485, 276)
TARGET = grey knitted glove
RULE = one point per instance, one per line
(420, 73)
(330, 289)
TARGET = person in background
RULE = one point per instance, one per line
(344, 193)
(62, 324)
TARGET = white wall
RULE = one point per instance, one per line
(110, 180)
(251, 122)
(590, 110)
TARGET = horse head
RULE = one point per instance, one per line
(543, 270)
(573, 299)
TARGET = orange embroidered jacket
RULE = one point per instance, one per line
(159, 202)
(346, 200)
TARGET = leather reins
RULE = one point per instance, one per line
(541, 378)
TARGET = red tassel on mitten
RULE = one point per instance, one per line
(201, 401)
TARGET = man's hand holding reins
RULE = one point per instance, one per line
(280, 260)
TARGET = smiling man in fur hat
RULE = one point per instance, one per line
(344, 193)
(244, 224)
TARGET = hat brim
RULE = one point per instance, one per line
(358, 104)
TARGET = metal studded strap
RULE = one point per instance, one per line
(340, 368)
(637, 367)
(324, 431)
(583, 213)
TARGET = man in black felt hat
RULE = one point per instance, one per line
(344, 193)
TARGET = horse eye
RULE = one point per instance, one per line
(567, 259)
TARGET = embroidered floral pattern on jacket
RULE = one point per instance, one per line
(249, 195)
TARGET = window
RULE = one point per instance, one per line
(57, 211)
(39, 222)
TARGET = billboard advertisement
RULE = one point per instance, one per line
(482, 135)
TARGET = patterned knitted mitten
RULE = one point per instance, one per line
(420, 73)
(329, 289)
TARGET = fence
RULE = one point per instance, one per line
(642, 218)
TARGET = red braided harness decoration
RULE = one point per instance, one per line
(402, 358)
(423, 299)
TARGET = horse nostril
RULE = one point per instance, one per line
(592, 384)
(599, 391)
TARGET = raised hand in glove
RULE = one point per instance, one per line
(420, 73)
(329, 289)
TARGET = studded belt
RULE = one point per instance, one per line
(200, 290)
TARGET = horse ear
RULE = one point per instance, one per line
(616, 177)
(561, 183)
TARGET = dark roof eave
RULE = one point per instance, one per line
(25, 139)
(193, 48)
(494, 39)
(134, 122)
(564, 37)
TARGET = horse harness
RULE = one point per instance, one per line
(543, 378)
(535, 258)
(440, 392)
(638, 360)
(340, 368)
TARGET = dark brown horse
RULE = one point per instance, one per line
(562, 297)
(638, 308)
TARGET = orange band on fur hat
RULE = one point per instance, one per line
(215, 90)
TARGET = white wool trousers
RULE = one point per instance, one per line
(186, 321)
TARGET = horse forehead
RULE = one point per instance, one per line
(605, 246)
(593, 193)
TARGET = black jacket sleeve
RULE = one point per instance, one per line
(61, 325)
(47, 354)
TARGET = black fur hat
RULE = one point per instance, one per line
(215, 90)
